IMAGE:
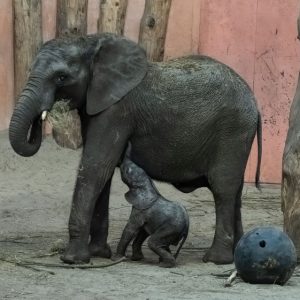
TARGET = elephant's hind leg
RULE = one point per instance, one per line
(226, 183)
(238, 228)
(159, 243)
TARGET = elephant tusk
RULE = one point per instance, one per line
(44, 115)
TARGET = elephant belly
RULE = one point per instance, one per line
(167, 163)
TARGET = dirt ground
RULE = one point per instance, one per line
(35, 198)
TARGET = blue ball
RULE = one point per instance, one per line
(265, 255)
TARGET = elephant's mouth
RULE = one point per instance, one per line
(34, 131)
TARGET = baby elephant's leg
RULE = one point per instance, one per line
(167, 249)
(137, 253)
(159, 243)
(130, 230)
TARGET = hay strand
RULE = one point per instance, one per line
(66, 125)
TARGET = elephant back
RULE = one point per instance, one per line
(197, 82)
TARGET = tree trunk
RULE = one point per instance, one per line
(290, 191)
(153, 28)
(71, 18)
(27, 38)
(71, 21)
(112, 16)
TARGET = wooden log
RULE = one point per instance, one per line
(7, 64)
(153, 28)
(71, 21)
(71, 18)
(27, 39)
(112, 16)
(49, 12)
(290, 191)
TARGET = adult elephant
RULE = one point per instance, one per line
(191, 122)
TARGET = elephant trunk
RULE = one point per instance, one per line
(25, 129)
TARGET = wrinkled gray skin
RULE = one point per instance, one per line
(191, 122)
(166, 222)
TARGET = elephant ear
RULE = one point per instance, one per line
(140, 201)
(119, 65)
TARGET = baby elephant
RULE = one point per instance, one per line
(166, 222)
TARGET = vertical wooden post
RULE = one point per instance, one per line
(290, 189)
(49, 10)
(7, 63)
(112, 16)
(153, 28)
(71, 17)
(71, 20)
(27, 38)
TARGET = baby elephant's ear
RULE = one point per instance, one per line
(119, 66)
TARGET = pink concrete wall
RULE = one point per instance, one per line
(258, 39)
(277, 64)
(255, 37)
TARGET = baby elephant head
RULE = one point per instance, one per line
(132, 175)
(142, 193)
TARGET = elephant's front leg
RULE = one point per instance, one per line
(88, 187)
(99, 227)
(105, 142)
(137, 253)
(130, 231)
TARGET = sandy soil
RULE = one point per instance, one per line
(35, 198)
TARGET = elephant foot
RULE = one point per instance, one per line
(219, 256)
(167, 262)
(100, 249)
(76, 253)
(237, 237)
(136, 256)
(117, 256)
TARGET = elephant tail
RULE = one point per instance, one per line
(259, 150)
(184, 237)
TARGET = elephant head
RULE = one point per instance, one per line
(93, 72)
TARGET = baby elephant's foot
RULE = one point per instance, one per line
(137, 255)
(167, 262)
(76, 253)
(99, 249)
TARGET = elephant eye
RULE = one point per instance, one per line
(61, 78)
